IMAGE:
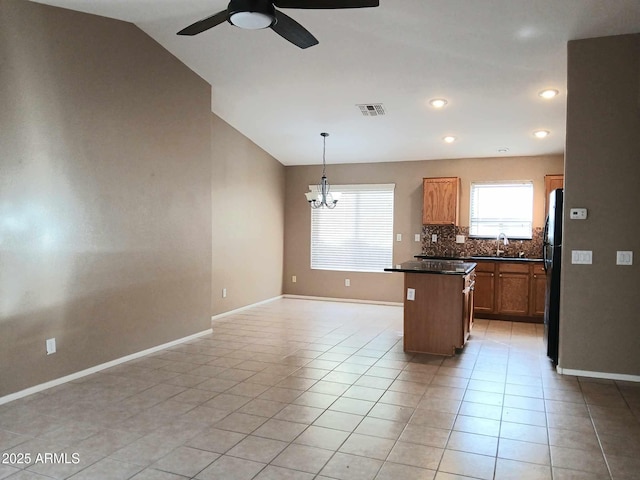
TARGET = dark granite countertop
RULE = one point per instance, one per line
(437, 266)
(475, 258)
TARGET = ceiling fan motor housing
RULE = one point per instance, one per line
(251, 14)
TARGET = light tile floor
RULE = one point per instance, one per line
(297, 389)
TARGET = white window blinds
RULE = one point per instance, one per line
(501, 207)
(357, 235)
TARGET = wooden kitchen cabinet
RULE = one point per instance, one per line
(484, 294)
(551, 182)
(513, 289)
(538, 290)
(468, 295)
(440, 200)
(510, 290)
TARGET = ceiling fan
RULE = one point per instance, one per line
(256, 14)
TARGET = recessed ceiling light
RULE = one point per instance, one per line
(438, 102)
(449, 139)
(548, 93)
(541, 133)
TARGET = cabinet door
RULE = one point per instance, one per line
(551, 182)
(484, 292)
(513, 289)
(538, 289)
(440, 200)
(467, 306)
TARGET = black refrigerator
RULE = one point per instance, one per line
(551, 254)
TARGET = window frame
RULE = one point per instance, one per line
(526, 220)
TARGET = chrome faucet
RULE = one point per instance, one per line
(505, 240)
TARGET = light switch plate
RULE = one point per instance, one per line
(411, 294)
(459, 238)
(624, 257)
(417, 237)
(582, 257)
(398, 237)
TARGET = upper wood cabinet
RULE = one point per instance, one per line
(551, 182)
(440, 200)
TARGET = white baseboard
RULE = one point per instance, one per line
(83, 373)
(344, 300)
(246, 307)
(604, 375)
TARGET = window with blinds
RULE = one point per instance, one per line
(501, 207)
(357, 235)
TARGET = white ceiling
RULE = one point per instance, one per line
(488, 58)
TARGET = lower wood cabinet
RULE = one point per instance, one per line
(538, 291)
(510, 290)
(439, 318)
(513, 289)
(484, 295)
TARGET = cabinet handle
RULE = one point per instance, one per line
(492, 274)
(535, 276)
(500, 275)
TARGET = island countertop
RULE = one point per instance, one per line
(435, 267)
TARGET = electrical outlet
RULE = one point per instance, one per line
(416, 237)
(293, 279)
(347, 282)
(434, 238)
(398, 237)
(411, 294)
(51, 345)
(224, 293)
(459, 238)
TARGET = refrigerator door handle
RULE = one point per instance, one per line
(544, 244)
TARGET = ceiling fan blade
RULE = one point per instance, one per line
(326, 3)
(205, 24)
(292, 31)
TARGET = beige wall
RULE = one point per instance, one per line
(600, 305)
(105, 193)
(407, 177)
(248, 220)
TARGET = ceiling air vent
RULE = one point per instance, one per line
(371, 109)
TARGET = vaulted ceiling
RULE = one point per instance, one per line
(488, 58)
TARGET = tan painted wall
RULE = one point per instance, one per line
(105, 193)
(600, 305)
(248, 220)
(407, 177)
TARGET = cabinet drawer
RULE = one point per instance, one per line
(485, 266)
(538, 269)
(513, 268)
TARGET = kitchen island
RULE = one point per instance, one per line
(438, 305)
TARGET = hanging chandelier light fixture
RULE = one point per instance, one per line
(323, 197)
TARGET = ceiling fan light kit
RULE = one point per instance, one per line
(258, 14)
(251, 15)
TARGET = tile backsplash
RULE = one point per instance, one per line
(446, 245)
